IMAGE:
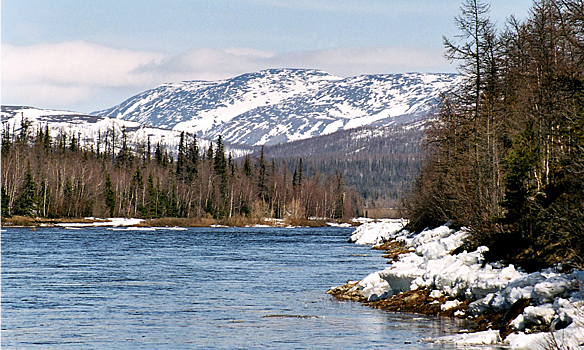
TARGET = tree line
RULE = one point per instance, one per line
(505, 156)
(380, 163)
(57, 177)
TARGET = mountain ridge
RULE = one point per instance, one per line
(280, 105)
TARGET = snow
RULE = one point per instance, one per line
(450, 304)
(102, 222)
(479, 338)
(557, 299)
(295, 104)
(89, 128)
(377, 232)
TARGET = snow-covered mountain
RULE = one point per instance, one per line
(89, 128)
(281, 105)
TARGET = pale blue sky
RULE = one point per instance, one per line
(93, 54)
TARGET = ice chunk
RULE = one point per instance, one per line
(436, 294)
(451, 304)
(479, 338)
(536, 315)
(552, 287)
(375, 288)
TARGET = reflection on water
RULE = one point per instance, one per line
(199, 288)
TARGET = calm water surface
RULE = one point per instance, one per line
(201, 288)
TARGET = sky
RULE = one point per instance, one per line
(90, 55)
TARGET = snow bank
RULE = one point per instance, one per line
(377, 232)
(556, 299)
(101, 222)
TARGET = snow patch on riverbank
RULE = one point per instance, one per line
(103, 222)
(377, 232)
(556, 299)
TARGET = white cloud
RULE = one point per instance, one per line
(77, 75)
(371, 60)
(213, 64)
(69, 72)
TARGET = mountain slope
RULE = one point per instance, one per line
(281, 105)
(379, 163)
(92, 130)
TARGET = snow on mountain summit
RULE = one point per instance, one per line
(281, 105)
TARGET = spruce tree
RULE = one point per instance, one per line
(193, 159)
(339, 210)
(247, 167)
(262, 187)
(181, 156)
(5, 202)
(220, 169)
(522, 160)
(110, 195)
(158, 154)
(6, 139)
(125, 156)
(26, 202)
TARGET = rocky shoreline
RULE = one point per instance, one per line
(428, 274)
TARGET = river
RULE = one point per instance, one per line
(196, 288)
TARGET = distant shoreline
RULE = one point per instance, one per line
(24, 221)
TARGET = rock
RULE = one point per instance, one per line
(514, 311)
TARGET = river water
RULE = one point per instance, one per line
(199, 288)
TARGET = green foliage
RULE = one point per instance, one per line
(247, 167)
(26, 203)
(125, 156)
(110, 195)
(5, 202)
(181, 157)
(523, 160)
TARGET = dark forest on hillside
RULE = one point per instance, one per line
(505, 156)
(379, 164)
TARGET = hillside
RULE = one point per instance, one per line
(379, 163)
(96, 131)
(282, 105)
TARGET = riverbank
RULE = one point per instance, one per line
(429, 274)
(25, 221)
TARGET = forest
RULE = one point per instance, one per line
(54, 176)
(505, 155)
(378, 163)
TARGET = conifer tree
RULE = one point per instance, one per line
(110, 195)
(181, 156)
(5, 202)
(158, 154)
(247, 167)
(47, 140)
(148, 151)
(152, 204)
(125, 156)
(6, 139)
(220, 170)
(193, 159)
(26, 203)
(262, 186)
(210, 152)
(339, 210)
(73, 144)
